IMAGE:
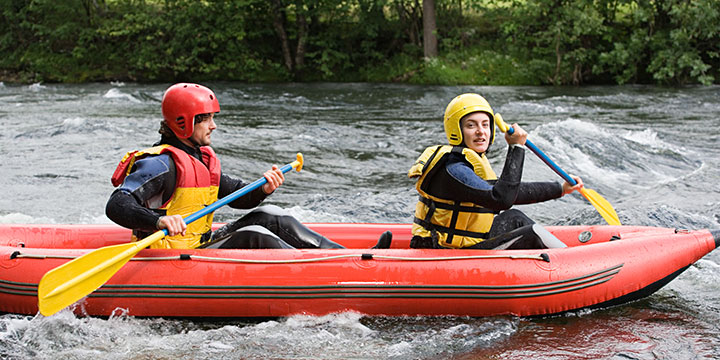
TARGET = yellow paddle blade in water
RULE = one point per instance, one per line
(70, 282)
(603, 206)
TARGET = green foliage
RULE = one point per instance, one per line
(351, 38)
(183, 39)
(477, 66)
(671, 42)
(47, 32)
(494, 42)
(564, 37)
(683, 51)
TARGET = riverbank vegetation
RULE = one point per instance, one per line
(493, 42)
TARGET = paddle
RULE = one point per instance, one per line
(76, 279)
(603, 206)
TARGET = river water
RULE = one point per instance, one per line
(651, 152)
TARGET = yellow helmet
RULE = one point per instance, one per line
(460, 106)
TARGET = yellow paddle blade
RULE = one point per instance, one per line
(603, 206)
(70, 282)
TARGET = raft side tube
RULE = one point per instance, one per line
(635, 295)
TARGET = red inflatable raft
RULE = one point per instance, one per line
(602, 266)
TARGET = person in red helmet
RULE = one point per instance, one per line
(181, 174)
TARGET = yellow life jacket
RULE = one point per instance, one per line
(452, 224)
(196, 186)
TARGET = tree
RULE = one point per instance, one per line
(430, 42)
(293, 64)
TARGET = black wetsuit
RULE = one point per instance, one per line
(135, 205)
(460, 183)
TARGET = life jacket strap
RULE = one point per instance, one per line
(468, 209)
(450, 231)
(447, 230)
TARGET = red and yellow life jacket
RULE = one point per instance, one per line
(196, 186)
(452, 224)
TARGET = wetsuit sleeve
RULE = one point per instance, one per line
(229, 185)
(147, 187)
(498, 195)
(535, 192)
(506, 191)
(124, 210)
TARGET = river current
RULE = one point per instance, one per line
(651, 152)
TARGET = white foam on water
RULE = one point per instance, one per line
(115, 93)
(76, 121)
(12, 326)
(567, 156)
(335, 336)
(20, 218)
(400, 349)
(631, 149)
(299, 336)
(36, 87)
(217, 345)
(307, 215)
(645, 137)
(528, 107)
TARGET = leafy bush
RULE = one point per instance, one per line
(508, 42)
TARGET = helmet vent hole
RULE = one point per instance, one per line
(211, 97)
(180, 122)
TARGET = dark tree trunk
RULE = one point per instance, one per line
(429, 29)
(279, 25)
(302, 36)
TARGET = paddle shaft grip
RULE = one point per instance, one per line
(546, 159)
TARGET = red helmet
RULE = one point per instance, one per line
(182, 102)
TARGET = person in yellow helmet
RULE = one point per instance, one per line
(463, 203)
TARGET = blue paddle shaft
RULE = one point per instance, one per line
(230, 198)
(546, 159)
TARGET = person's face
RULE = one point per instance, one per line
(203, 129)
(476, 129)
